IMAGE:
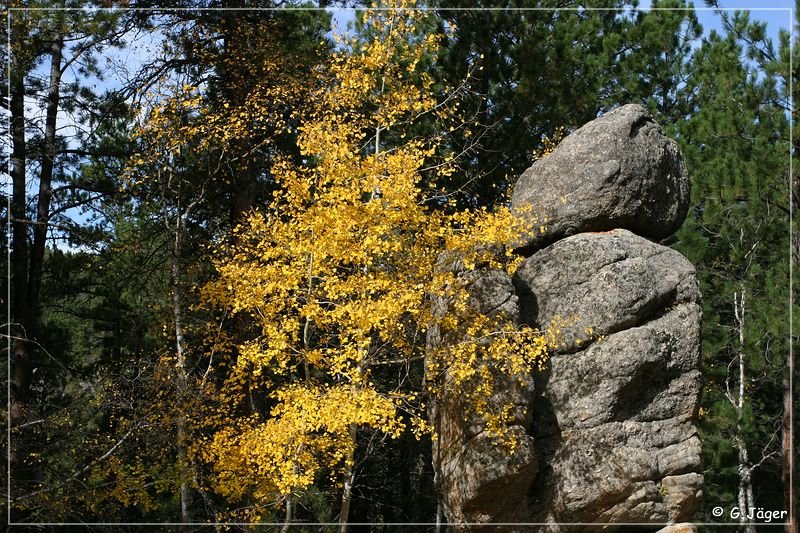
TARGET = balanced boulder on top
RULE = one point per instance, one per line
(617, 171)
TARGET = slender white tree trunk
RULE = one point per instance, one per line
(349, 479)
(288, 518)
(180, 369)
(745, 494)
(787, 451)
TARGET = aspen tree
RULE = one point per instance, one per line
(336, 275)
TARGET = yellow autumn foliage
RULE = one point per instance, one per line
(335, 277)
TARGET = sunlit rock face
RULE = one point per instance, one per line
(608, 436)
(480, 481)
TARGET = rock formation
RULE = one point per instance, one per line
(608, 437)
(484, 483)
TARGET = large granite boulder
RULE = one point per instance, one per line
(618, 171)
(612, 418)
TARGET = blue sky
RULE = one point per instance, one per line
(774, 12)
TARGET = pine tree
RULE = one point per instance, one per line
(44, 159)
(551, 67)
(735, 144)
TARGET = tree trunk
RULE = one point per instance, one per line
(349, 479)
(788, 469)
(21, 311)
(180, 369)
(46, 176)
(787, 449)
(287, 521)
(244, 181)
(745, 495)
(27, 263)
